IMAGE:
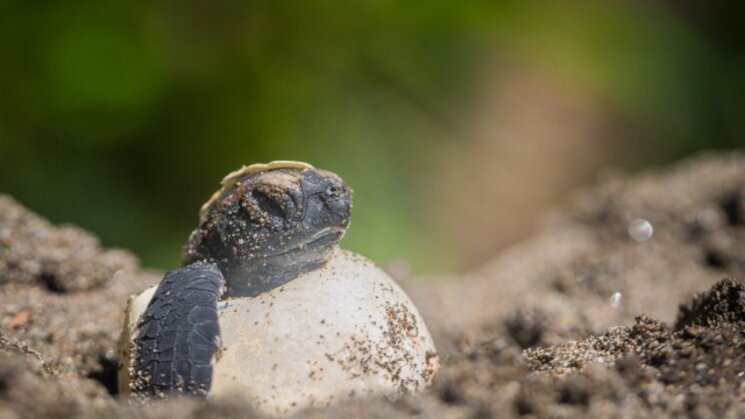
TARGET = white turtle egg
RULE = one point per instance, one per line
(344, 330)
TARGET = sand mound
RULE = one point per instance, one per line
(560, 325)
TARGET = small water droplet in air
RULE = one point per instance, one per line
(615, 299)
(640, 230)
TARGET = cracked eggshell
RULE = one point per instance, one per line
(342, 331)
(136, 305)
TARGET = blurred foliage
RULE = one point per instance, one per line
(122, 117)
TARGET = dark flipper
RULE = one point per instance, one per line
(178, 333)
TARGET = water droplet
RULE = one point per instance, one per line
(640, 230)
(615, 299)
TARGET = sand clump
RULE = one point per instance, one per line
(695, 368)
(64, 258)
(577, 320)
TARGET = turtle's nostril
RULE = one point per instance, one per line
(338, 201)
(268, 204)
(333, 192)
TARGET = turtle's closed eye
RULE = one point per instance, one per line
(268, 204)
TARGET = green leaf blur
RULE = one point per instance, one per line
(122, 117)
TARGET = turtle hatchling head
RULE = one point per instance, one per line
(269, 223)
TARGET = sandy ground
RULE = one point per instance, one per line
(577, 320)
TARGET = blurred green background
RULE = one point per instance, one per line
(456, 123)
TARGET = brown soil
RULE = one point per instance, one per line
(579, 320)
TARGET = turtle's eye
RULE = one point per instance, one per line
(267, 204)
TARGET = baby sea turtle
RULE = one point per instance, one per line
(269, 308)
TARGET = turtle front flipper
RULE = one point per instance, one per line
(178, 334)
